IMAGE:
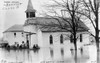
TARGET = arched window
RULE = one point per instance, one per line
(61, 39)
(81, 38)
(27, 15)
(14, 34)
(51, 39)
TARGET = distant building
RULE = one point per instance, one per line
(33, 32)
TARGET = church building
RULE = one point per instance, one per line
(34, 32)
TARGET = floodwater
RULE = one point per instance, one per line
(48, 55)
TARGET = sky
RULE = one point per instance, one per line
(9, 17)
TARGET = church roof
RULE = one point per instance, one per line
(45, 25)
(15, 28)
(30, 7)
(52, 24)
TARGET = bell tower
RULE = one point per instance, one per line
(30, 11)
(30, 25)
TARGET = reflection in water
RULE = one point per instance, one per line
(51, 52)
(62, 51)
(81, 49)
(28, 52)
(75, 58)
(98, 55)
(64, 55)
(35, 51)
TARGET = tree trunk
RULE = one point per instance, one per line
(97, 39)
(75, 43)
(97, 30)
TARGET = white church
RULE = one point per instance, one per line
(33, 32)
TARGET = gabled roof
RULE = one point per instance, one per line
(41, 21)
(15, 28)
(45, 24)
(30, 7)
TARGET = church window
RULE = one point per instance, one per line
(51, 39)
(27, 15)
(61, 39)
(22, 34)
(81, 38)
(27, 37)
(32, 14)
(14, 34)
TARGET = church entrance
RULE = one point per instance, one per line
(27, 41)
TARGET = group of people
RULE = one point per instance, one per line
(23, 45)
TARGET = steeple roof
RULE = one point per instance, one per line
(30, 7)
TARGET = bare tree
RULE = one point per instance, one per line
(69, 20)
(90, 10)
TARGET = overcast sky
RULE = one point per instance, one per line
(17, 16)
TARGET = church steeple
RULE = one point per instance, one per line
(30, 12)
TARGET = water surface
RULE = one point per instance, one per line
(45, 55)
